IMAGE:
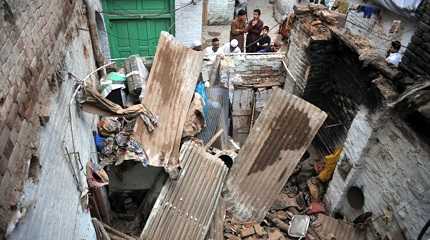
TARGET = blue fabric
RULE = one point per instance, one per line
(200, 89)
(368, 11)
(100, 141)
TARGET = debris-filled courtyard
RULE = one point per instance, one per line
(212, 120)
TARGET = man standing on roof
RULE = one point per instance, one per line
(231, 47)
(237, 30)
(254, 29)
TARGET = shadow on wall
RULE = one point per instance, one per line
(338, 84)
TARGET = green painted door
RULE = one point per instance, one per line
(134, 26)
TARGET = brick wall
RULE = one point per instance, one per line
(415, 61)
(298, 60)
(34, 37)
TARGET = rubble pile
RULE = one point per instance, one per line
(301, 196)
(154, 121)
(115, 143)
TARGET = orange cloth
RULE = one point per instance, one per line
(330, 162)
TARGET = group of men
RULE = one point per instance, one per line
(257, 37)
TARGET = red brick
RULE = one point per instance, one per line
(247, 231)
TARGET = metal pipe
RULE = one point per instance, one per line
(95, 42)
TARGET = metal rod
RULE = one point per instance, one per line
(213, 139)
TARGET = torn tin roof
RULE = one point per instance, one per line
(275, 145)
(185, 207)
(168, 95)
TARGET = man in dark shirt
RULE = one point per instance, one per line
(254, 28)
(263, 43)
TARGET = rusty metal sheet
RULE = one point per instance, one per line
(168, 95)
(186, 206)
(330, 228)
(268, 157)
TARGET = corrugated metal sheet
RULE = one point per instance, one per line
(275, 145)
(185, 207)
(218, 115)
(330, 228)
(216, 229)
(168, 95)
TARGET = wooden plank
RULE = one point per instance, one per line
(168, 95)
(241, 113)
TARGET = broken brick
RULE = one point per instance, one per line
(275, 234)
(259, 230)
(230, 236)
(247, 231)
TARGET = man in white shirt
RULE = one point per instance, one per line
(212, 51)
(231, 47)
(394, 57)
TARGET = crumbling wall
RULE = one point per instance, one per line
(395, 178)
(391, 170)
(36, 36)
(188, 21)
(250, 68)
(298, 61)
(417, 55)
(220, 12)
(338, 84)
(354, 147)
(250, 79)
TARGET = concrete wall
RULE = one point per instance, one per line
(41, 40)
(390, 164)
(354, 147)
(188, 21)
(220, 12)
